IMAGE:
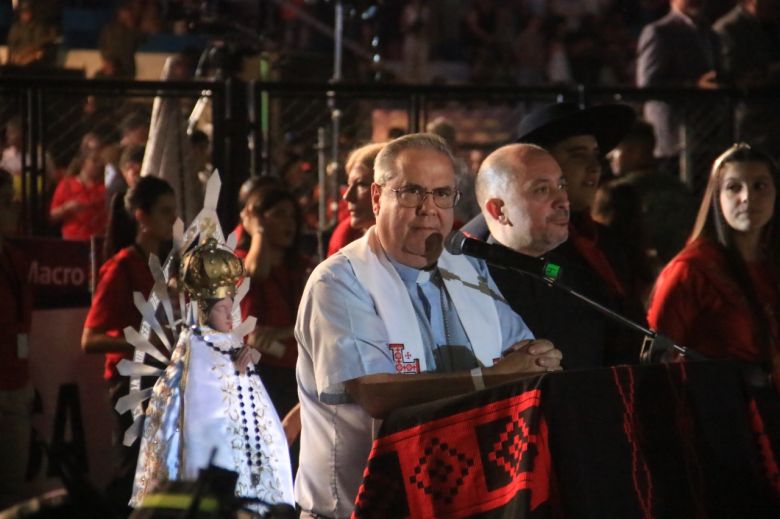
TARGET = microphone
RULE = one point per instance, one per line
(503, 257)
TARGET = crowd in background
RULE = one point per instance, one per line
(640, 201)
(524, 42)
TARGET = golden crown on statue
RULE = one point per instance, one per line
(210, 271)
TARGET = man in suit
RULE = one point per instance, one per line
(681, 50)
(750, 52)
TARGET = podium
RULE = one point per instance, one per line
(671, 440)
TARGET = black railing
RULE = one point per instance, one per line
(258, 126)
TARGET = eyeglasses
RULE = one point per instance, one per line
(414, 196)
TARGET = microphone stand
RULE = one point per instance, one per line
(654, 345)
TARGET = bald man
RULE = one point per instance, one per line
(522, 194)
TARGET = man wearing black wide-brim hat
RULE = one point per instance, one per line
(578, 139)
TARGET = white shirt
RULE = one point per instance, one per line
(341, 337)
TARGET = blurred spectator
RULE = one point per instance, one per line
(530, 52)
(11, 160)
(680, 50)
(750, 46)
(119, 40)
(253, 187)
(30, 40)
(118, 222)
(12, 153)
(749, 43)
(479, 32)
(720, 296)
(666, 204)
(16, 391)
(558, 67)
(79, 202)
(278, 274)
(360, 176)
(129, 171)
(134, 131)
(617, 47)
(416, 29)
(585, 52)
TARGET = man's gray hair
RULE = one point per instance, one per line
(385, 163)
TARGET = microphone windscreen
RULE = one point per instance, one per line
(454, 242)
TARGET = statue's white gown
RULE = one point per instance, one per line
(202, 403)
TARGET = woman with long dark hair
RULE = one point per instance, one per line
(720, 296)
(151, 212)
(277, 274)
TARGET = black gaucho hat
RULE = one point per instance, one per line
(551, 124)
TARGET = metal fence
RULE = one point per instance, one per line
(302, 132)
(54, 115)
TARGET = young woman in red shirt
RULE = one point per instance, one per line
(79, 202)
(720, 295)
(151, 209)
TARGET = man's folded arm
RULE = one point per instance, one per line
(381, 393)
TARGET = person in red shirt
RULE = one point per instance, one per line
(151, 205)
(360, 176)
(79, 202)
(277, 276)
(720, 295)
(16, 392)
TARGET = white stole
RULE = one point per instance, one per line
(470, 294)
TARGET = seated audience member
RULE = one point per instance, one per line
(392, 320)
(360, 176)
(16, 391)
(720, 296)
(666, 204)
(31, 41)
(277, 275)
(79, 202)
(151, 206)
